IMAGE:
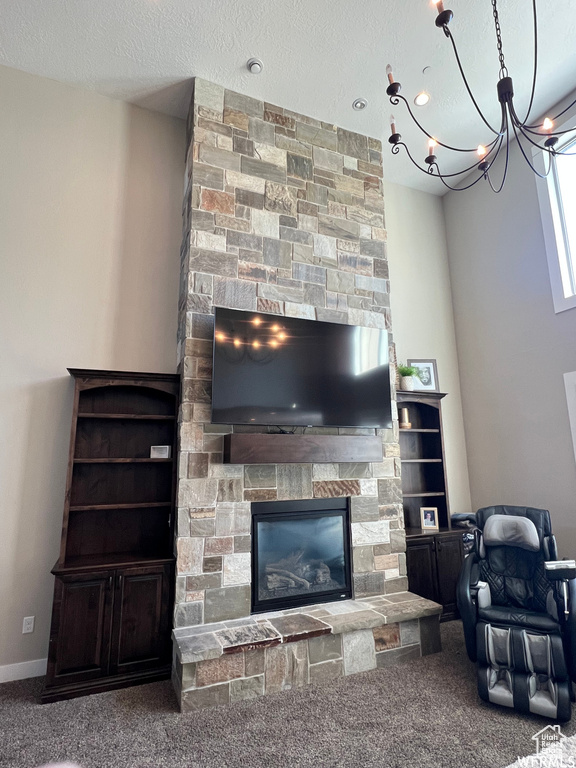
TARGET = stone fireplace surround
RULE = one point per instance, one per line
(283, 214)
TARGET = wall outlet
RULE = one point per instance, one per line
(28, 625)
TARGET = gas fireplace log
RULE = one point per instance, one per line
(271, 569)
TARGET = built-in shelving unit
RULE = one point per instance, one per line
(433, 557)
(114, 577)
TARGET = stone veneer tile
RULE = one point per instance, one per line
(236, 569)
(327, 671)
(410, 632)
(364, 509)
(286, 666)
(347, 622)
(227, 603)
(397, 656)
(201, 698)
(324, 648)
(260, 476)
(359, 654)
(377, 532)
(294, 481)
(188, 614)
(219, 670)
(327, 489)
(246, 688)
(248, 637)
(369, 583)
(299, 627)
(199, 648)
(387, 637)
(189, 553)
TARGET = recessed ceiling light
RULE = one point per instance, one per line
(254, 66)
(422, 98)
(359, 104)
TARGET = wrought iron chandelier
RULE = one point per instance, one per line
(540, 135)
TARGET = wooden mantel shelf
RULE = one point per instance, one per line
(300, 449)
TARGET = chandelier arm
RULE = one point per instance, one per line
(555, 118)
(540, 175)
(459, 189)
(505, 173)
(450, 37)
(396, 149)
(535, 62)
(561, 113)
(530, 129)
(464, 170)
(395, 100)
(523, 130)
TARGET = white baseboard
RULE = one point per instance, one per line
(23, 670)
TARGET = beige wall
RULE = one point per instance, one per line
(513, 351)
(90, 229)
(422, 318)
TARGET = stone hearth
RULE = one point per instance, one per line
(283, 214)
(271, 652)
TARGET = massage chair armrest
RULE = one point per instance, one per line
(560, 570)
(466, 591)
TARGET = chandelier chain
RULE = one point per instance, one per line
(503, 68)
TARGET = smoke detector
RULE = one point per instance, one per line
(254, 66)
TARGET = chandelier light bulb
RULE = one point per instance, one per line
(439, 6)
(392, 124)
(547, 125)
(389, 73)
(481, 151)
(432, 144)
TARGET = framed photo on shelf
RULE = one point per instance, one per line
(427, 378)
(429, 518)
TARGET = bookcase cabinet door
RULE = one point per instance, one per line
(80, 638)
(421, 566)
(449, 556)
(141, 625)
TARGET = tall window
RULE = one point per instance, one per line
(557, 197)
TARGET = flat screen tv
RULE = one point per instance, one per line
(273, 370)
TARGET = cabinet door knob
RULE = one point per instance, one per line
(439, 543)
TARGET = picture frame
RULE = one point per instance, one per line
(427, 379)
(429, 518)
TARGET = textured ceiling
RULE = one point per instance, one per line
(319, 55)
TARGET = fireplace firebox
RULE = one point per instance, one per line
(300, 553)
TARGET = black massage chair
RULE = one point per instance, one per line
(518, 607)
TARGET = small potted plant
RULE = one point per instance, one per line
(408, 373)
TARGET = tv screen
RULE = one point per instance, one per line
(276, 370)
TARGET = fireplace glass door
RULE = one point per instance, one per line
(300, 553)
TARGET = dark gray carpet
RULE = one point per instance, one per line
(420, 714)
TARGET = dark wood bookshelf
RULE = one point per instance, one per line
(113, 594)
(433, 556)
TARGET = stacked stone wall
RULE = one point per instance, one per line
(283, 214)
